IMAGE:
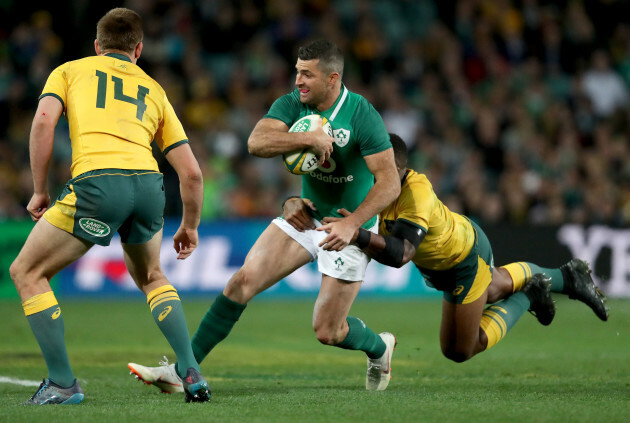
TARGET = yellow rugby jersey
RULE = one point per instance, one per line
(114, 111)
(449, 236)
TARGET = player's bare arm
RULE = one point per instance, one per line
(385, 190)
(394, 250)
(185, 164)
(270, 138)
(41, 143)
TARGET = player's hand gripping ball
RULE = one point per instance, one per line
(301, 162)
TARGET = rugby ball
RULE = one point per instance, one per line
(301, 162)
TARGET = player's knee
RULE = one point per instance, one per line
(240, 287)
(458, 355)
(327, 335)
(155, 275)
(16, 271)
(19, 272)
(24, 276)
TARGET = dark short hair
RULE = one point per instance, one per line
(120, 29)
(401, 155)
(328, 53)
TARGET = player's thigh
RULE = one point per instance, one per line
(463, 306)
(143, 262)
(46, 251)
(459, 331)
(333, 302)
(273, 256)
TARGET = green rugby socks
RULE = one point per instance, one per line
(521, 272)
(499, 318)
(362, 338)
(168, 314)
(44, 316)
(215, 325)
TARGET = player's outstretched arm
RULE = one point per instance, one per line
(185, 164)
(41, 143)
(393, 250)
(385, 190)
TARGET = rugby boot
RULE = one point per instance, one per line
(379, 370)
(579, 285)
(538, 290)
(164, 377)
(195, 387)
(51, 393)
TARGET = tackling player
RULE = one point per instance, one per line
(114, 111)
(357, 172)
(454, 256)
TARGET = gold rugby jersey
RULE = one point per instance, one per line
(114, 111)
(449, 236)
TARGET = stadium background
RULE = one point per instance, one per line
(518, 111)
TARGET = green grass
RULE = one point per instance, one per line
(272, 369)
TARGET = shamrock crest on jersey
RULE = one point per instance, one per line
(342, 136)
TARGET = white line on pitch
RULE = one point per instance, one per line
(4, 379)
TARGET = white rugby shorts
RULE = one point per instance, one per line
(348, 264)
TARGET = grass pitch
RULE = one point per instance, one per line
(272, 369)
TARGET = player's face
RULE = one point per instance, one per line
(312, 83)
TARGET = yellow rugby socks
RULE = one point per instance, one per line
(362, 338)
(216, 324)
(499, 318)
(44, 316)
(168, 314)
(521, 272)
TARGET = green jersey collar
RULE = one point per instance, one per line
(118, 56)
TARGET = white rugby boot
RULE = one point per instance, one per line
(379, 370)
(164, 377)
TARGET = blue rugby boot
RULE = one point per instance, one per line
(195, 387)
(51, 393)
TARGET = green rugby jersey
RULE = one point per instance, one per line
(344, 180)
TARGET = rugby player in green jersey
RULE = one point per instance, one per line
(114, 111)
(454, 256)
(357, 172)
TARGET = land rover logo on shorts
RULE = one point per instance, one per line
(342, 136)
(94, 227)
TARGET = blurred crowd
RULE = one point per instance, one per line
(518, 111)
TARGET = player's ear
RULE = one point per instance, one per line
(138, 50)
(333, 78)
(97, 48)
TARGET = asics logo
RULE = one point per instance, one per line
(458, 289)
(165, 313)
(56, 314)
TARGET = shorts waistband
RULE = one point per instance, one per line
(114, 172)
